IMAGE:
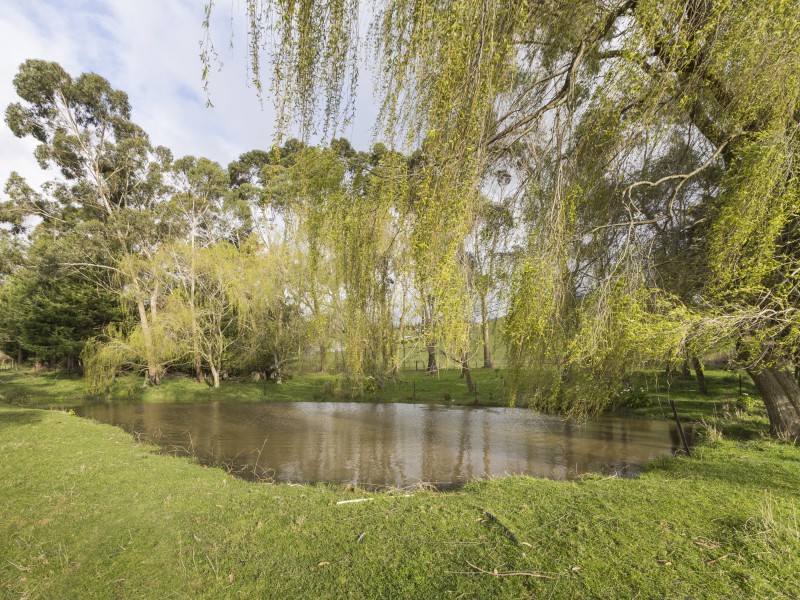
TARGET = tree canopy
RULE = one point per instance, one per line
(653, 154)
(616, 180)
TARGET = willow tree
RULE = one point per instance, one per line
(581, 95)
(680, 70)
(207, 310)
(350, 213)
(489, 253)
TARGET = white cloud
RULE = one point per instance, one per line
(150, 49)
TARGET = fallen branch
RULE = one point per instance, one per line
(497, 573)
(368, 499)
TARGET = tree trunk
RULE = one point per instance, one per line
(156, 378)
(198, 367)
(214, 374)
(432, 366)
(149, 348)
(323, 358)
(466, 374)
(698, 373)
(487, 351)
(198, 361)
(781, 394)
(20, 357)
(686, 372)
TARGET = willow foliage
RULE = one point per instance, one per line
(639, 134)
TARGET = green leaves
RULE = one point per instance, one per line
(40, 83)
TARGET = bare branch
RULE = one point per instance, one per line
(684, 177)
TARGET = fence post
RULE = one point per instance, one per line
(680, 428)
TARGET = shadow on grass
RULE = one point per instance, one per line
(759, 465)
(19, 416)
(41, 390)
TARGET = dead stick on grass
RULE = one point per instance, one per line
(497, 573)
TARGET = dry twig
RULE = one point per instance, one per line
(497, 573)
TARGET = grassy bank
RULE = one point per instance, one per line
(85, 512)
(53, 389)
(647, 394)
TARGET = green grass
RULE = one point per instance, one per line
(409, 386)
(87, 513)
(24, 387)
(740, 415)
(647, 390)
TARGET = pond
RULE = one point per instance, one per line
(391, 444)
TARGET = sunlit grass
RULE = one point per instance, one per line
(408, 386)
(733, 410)
(86, 512)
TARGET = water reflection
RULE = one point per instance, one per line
(392, 444)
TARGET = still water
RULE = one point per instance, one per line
(391, 444)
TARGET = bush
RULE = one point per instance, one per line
(333, 388)
(631, 400)
(708, 434)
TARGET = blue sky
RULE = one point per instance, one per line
(150, 49)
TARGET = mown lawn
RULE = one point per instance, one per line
(87, 513)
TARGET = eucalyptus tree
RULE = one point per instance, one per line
(200, 211)
(10, 254)
(47, 311)
(596, 86)
(12, 258)
(111, 179)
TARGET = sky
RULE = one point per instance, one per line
(151, 50)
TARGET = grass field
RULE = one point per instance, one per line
(85, 512)
(648, 394)
(409, 386)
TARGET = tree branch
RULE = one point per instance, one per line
(571, 71)
(684, 177)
